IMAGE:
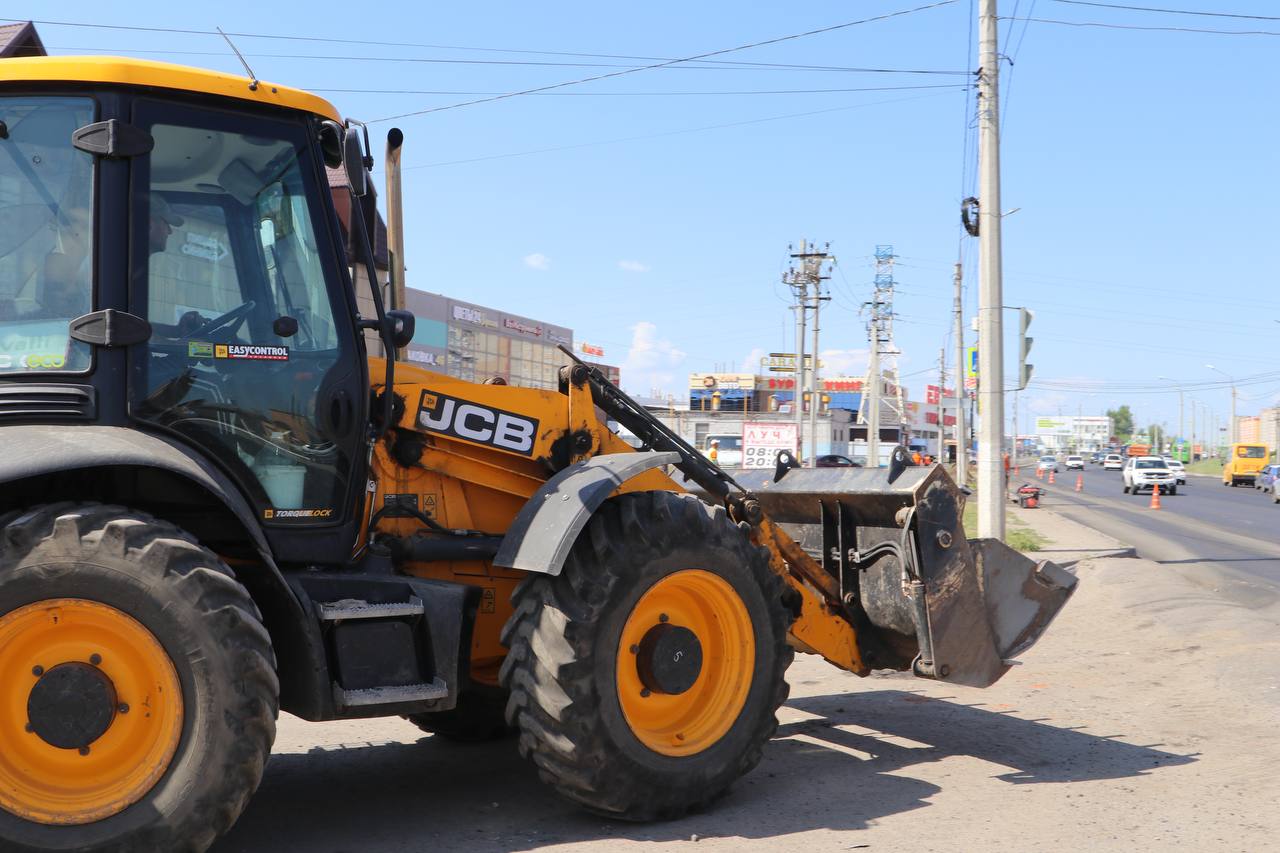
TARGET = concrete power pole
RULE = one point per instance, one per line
(942, 411)
(808, 277)
(962, 437)
(991, 507)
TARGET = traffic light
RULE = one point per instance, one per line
(1024, 348)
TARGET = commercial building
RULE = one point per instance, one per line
(1262, 428)
(1073, 434)
(478, 343)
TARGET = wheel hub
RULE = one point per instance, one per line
(71, 706)
(669, 659)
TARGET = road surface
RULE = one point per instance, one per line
(1222, 534)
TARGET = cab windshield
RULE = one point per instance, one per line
(46, 233)
(1150, 463)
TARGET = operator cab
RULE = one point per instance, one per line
(209, 233)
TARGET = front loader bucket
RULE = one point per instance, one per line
(921, 594)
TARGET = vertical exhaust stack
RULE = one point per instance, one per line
(395, 222)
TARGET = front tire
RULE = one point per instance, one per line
(645, 678)
(173, 698)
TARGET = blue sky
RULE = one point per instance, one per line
(1144, 167)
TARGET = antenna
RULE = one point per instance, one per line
(253, 78)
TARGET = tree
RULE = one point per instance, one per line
(1121, 423)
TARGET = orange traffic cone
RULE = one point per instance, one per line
(1051, 479)
(1079, 482)
(1155, 496)
(1039, 473)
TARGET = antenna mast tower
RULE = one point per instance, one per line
(883, 361)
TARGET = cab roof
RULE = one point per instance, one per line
(163, 75)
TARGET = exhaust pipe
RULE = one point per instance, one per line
(395, 222)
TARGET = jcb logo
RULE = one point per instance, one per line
(37, 362)
(473, 422)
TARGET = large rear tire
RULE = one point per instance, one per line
(646, 677)
(137, 684)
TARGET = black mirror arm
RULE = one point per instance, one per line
(376, 431)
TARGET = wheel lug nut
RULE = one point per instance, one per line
(635, 650)
(37, 670)
(662, 617)
(95, 658)
(124, 708)
(644, 693)
(28, 728)
(84, 750)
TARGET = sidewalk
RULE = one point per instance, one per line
(1068, 542)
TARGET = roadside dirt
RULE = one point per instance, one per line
(1143, 720)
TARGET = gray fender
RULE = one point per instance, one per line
(33, 451)
(544, 531)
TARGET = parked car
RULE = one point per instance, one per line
(1075, 462)
(1113, 462)
(1048, 463)
(1146, 472)
(1178, 471)
(834, 460)
(1267, 478)
(1097, 458)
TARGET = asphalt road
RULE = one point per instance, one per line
(1228, 536)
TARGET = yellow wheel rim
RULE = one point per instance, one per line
(132, 737)
(690, 721)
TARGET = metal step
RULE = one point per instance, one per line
(343, 698)
(354, 608)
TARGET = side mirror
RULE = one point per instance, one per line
(402, 325)
(353, 160)
(330, 136)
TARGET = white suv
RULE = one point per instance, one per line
(1075, 462)
(1113, 462)
(1145, 472)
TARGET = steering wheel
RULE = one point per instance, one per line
(236, 315)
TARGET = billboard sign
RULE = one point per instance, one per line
(1053, 426)
(762, 441)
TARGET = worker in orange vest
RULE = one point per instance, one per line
(714, 453)
(915, 457)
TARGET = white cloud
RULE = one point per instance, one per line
(844, 362)
(632, 266)
(652, 363)
(537, 261)
(751, 364)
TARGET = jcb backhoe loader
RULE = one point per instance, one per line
(214, 504)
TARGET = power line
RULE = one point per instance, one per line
(722, 52)
(1100, 25)
(667, 133)
(319, 39)
(1169, 11)
(645, 94)
(724, 66)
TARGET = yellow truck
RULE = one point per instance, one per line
(1244, 463)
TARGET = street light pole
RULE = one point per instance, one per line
(1181, 434)
(991, 506)
(1232, 431)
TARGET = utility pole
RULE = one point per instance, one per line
(942, 412)
(990, 285)
(880, 342)
(808, 277)
(962, 438)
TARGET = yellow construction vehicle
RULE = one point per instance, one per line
(215, 504)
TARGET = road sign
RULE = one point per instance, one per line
(971, 361)
(762, 441)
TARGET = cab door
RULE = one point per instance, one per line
(253, 358)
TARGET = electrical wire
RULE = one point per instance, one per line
(645, 94)
(600, 142)
(700, 56)
(1169, 11)
(318, 39)
(1105, 26)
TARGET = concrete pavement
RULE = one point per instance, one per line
(1143, 720)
